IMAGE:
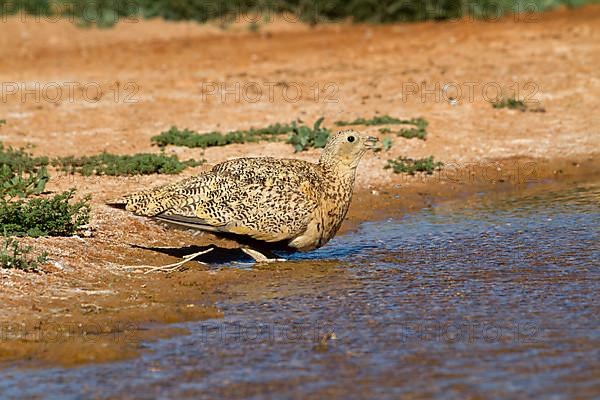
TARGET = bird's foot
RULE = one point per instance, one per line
(272, 260)
(260, 257)
(170, 267)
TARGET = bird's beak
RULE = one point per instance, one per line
(370, 142)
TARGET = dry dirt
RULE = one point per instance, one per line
(170, 71)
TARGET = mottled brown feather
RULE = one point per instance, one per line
(267, 199)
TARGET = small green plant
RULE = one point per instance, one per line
(21, 174)
(511, 103)
(410, 166)
(19, 160)
(514, 104)
(2, 122)
(304, 137)
(418, 131)
(382, 120)
(124, 165)
(409, 133)
(376, 120)
(22, 184)
(386, 144)
(55, 216)
(13, 255)
(189, 138)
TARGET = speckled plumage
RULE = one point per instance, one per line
(267, 199)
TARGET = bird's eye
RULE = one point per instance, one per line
(351, 139)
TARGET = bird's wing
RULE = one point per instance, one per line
(263, 198)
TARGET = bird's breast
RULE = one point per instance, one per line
(322, 227)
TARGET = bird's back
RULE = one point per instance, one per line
(264, 198)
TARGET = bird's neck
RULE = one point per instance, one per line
(339, 181)
(338, 186)
(339, 172)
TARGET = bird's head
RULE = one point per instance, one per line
(346, 148)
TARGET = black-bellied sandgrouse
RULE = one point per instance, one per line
(267, 201)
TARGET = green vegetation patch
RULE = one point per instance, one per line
(13, 255)
(21, 174)
(514, 104)
(511, 103)
(410, 166)
(305, 137)
(189, 138)
(376, 120)
(19, 160)
(409, 133)
(55, 216)
(107, 13)
(119, 165)
(22, 184)
(302, 137)
(419, 130)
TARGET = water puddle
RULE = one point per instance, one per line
(496, 296)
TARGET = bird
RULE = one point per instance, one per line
(263, 203)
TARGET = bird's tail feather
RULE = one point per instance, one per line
(148, 203)
(119, 204)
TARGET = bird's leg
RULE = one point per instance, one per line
(264, 256)
(171, 267)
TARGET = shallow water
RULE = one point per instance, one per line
(493, 297)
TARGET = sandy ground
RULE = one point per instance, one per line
(73, 91)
